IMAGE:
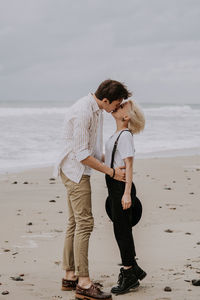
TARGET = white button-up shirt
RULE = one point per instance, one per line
(83, 136)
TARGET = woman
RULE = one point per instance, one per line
(129, 120)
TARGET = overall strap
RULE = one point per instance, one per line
(115, 147)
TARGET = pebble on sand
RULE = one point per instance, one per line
(17, 278)
(168, 230)
(167, 289)
(29, 223)
(5, 293)
(196, 282)
(58, 230)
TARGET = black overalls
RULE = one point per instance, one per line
(121, 218)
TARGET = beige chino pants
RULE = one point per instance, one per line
(80, 225)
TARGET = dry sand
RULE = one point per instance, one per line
(170, 192)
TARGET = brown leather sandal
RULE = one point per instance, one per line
(69, 285)
(93, 293)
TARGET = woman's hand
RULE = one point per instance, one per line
(126, 201)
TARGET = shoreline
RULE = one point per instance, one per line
(152, 155)
(166, 238)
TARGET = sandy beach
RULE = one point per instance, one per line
(33, 218)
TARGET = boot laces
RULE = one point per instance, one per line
(120, 277)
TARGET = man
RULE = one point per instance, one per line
(83, 152)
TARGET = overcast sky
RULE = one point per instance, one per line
(62, 49)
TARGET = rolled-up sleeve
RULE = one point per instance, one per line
(81, 136)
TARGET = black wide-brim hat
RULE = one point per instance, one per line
(136, 210)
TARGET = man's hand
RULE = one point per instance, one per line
(120, 174)
(93, 163)
(126, 201)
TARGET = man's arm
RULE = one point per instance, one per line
(81, 135)
(97, 165)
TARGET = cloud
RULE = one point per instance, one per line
(62, 49)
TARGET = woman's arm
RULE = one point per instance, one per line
(126, 199)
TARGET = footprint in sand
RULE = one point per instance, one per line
(163, 299)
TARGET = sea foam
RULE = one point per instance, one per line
(32, 136)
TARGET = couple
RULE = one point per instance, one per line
(83, 133)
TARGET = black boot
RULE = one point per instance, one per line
(119, 282)
(126, 281)
(139, 273)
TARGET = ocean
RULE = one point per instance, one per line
(31, 132)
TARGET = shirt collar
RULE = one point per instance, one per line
(94, 104)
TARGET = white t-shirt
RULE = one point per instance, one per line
(125, 148)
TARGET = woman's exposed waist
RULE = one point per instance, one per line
(116, 186)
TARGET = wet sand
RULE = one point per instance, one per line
(33, 218)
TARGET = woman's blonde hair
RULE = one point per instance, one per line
(137, 119)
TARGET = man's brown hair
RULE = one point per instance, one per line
(112, 90)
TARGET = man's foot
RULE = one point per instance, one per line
(69, 285)
(126, 281)
(92, 293)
